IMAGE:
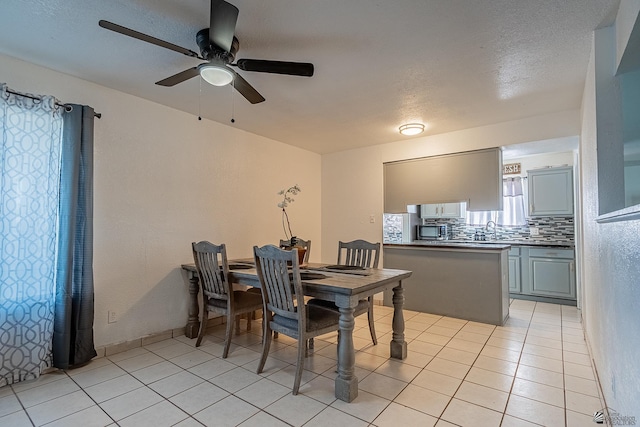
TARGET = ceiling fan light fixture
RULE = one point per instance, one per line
(410, 129)
(215, 74)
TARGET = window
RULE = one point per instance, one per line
(514, 202)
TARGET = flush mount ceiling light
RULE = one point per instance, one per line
(411, 129)
(215, 74)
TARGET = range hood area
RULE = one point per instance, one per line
(472, 176)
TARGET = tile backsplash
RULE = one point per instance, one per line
(551, 229)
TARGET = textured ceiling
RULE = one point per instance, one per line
(453, 64)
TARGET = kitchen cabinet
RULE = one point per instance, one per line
(542, 272)
(552, 273)
(464, 282)
(514, 271)
(443, 210)
(551, 191)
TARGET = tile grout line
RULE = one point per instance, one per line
(24, 409)
(517, 367)
(564, 382)
(92, 399)
(458, 330)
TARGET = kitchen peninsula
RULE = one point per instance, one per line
(466, 280)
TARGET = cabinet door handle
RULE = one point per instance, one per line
(571, 266)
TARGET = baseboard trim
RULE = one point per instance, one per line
(594, 366)
(550, 300)
(111, 349)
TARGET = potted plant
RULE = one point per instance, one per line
(286, 225)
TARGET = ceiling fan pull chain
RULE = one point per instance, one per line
(200, 99)
(233, 102)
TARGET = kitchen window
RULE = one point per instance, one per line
(514, 202)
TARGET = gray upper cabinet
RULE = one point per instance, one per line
(551, 191)
(473, 176)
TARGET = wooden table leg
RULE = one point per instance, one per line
(193, 323)
(346, 382)
(398, 344)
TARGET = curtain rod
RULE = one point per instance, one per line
(66, 107)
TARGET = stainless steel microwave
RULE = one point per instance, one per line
(432, 232)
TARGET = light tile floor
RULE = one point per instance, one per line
(535, 370)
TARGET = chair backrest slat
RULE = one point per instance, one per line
(213, 269)
(359, 253)
(279, 274)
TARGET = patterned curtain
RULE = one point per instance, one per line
(30, 133)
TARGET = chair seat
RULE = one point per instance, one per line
(317, 318)
(361, 308)
(242, 300)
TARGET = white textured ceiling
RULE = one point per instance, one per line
(453, 64)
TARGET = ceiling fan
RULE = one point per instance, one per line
(218, 46)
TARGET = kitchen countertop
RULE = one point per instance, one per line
(451, 244)
(538, 243)
(486, 244)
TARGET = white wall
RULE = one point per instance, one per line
(611, 272)
(538, 161)
(164, 179)
(352, 181)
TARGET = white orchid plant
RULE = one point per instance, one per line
(286, 200)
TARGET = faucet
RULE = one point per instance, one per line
(495, 233)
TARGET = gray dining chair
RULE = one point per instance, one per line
(359, 253)
(305, 244)
(284, 307)
(218, 295)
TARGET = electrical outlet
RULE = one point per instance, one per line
(372, 218)
(113, 318)
(534, 231)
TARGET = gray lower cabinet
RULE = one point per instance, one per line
(542, 272)
(552, 273)
(514, 271)
(462, 282)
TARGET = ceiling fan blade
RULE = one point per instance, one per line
(222, 24)
(146, 38)
(276, 67)
(246, 90)
(179, 78)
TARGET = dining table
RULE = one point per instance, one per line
(344, 287)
